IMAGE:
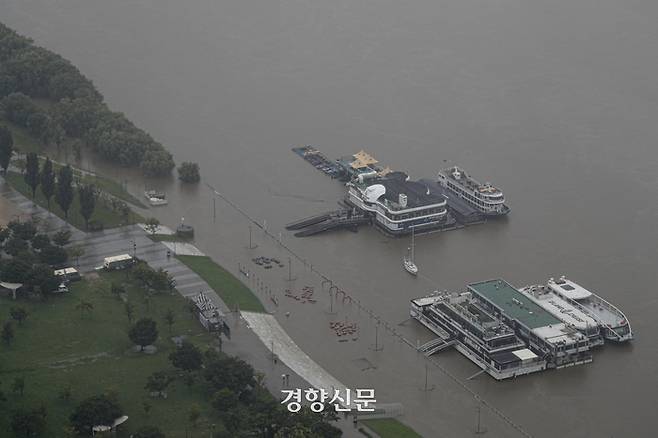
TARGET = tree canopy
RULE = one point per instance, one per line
(87, 194)
(187, 357)
(94, 411)
(189, 172)
(144, 332)
(47, 180)
(29, 72)
(64, 192)
(6, 147)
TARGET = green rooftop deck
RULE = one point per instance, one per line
(513, 303)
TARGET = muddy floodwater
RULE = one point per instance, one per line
(555, 102)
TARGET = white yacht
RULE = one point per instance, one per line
(155, 198)
(486, 198)
(614, 324)
(409, 263)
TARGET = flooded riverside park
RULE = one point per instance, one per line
(553, 103)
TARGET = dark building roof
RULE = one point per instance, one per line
(418, 193)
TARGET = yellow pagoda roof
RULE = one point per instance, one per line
(362, 159)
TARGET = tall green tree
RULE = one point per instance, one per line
(32, 172)
(187, 357)
(144, 332)
(48, 180)
(26, 424)
(61, 238)
(94, 411)
(158, 382)
(64, 190)
(87, 194)
(6, 147)
(170, 318)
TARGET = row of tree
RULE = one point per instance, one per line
(61, 185)
(29, 72)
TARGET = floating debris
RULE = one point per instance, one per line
(343, 328)
(267, 262)
(306, 295)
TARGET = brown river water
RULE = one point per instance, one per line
(555, 102)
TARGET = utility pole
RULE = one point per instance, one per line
(290, 277)
(251, 245)
(214, 211)
(377, 346)
(427, 387)
(479, 430)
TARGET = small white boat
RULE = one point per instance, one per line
(155, 198)
(409, 264)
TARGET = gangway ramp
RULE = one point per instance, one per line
(435, 345)
(308, 221)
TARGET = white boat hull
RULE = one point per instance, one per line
(411, 267)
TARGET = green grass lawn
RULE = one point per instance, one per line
(231, 290)
(390, 428)
(103, 213)
(113, 188)
(57, 348)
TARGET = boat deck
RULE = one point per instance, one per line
(560, 307)
(605, 315)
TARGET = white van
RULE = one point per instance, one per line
(118, 262)
(67, 274)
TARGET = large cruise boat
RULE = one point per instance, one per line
(565, 311)
(460, 321)
(486, 198)
(614, 324)
(399, 205)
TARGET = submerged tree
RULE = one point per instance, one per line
(189, 172)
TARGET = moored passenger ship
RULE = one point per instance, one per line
(614, 324)
(565, 311)
(399, 205)
(486, 198)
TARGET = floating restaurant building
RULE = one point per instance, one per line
(561, 344)
(399, 205)
(461, 321)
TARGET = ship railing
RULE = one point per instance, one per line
(611, 307)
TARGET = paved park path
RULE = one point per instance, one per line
(251, 334)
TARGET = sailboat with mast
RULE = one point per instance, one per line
(409, 264)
